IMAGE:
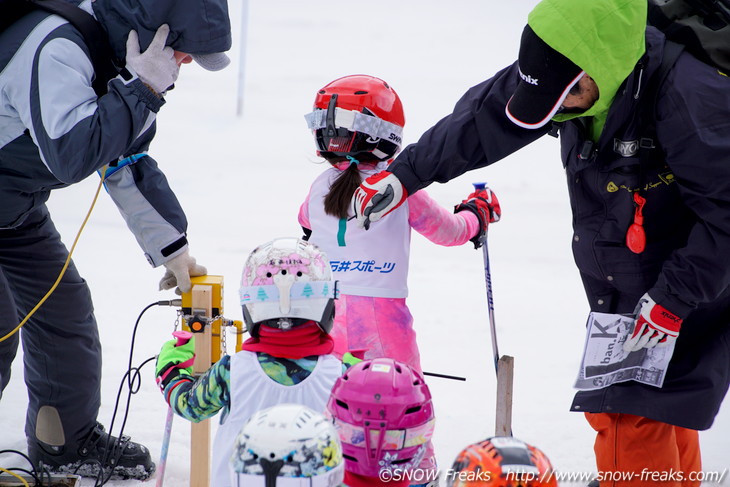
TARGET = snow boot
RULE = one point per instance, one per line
(121, 458)
(594, 483)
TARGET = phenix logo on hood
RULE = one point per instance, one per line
(200, 28)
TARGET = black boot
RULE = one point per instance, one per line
(594, 483)
(121, 458)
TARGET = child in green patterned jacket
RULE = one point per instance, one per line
(287, 296)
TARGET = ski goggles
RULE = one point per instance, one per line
(355, 121)
(298, 290)
(388, 439)
(327, 479)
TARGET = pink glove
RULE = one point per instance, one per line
(377, 196)
(654, 326)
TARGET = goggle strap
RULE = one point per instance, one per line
(298, 291)
(387, 439)
(355, 122)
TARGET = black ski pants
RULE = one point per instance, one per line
(61, 348)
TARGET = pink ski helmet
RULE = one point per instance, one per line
(383, 413)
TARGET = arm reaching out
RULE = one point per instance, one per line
(438, 224)
(377, 196)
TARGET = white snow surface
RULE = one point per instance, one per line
(241, 181)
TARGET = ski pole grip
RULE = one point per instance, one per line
(479, 186)
(182, 337)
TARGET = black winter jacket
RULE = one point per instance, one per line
(686, 182)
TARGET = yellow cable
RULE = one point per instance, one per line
(16, 476)
(65, 265)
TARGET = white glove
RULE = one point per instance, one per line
(156, 67)
(377, 196)
(178, 272)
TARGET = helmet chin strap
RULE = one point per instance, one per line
(271, 470)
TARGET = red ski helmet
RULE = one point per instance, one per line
(501, 461)
(357, 116)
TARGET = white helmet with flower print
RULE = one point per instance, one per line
(285, 283)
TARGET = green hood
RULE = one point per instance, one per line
(605, 38)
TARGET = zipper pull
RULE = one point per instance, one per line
(636, 236)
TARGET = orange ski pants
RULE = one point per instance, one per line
(632, 451)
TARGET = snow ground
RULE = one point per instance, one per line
(241, 180)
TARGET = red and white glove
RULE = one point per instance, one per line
(485, 205)
(377, 196)
(654, 326)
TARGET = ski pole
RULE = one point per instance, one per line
(444, 376)
(503, 412)
(183, 337)
(165, 446)
(488, 280)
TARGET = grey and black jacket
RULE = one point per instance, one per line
(56, 131)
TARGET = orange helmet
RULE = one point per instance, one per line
(501, 461)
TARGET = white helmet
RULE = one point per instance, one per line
(285, 283)
(287, 445)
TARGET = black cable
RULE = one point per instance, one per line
(134, 334)
(20, 453)
(133, 379)
(26, 472)
(46, 472)
(32, 472)
(133, 387)
(92, 461)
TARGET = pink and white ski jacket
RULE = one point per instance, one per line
(372, 267)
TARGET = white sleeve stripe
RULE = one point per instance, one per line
(64, 105)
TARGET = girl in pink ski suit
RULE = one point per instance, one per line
(357, 123)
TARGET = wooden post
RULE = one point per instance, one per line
(202, 304)
(505, 378)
